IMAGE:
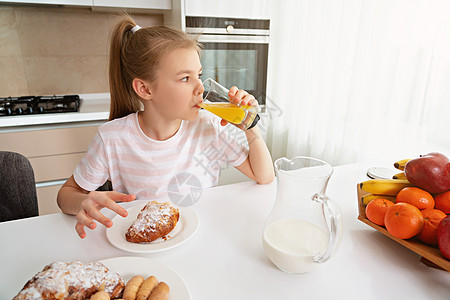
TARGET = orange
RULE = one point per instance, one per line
(443, 202)
(403, 220)
(431, 219)
(376, 209)
(415, 196)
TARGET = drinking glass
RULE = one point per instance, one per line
(217, 101)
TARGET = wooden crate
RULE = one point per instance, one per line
(430, 256)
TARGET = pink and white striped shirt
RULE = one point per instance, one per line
(150, 169)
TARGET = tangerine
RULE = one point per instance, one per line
(403, 220)
(443, 202)
(431, 219)
(376, 210)
(415, 196)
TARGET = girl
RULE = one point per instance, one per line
(156, 129)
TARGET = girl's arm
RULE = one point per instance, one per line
(258, 165)
(74, 200)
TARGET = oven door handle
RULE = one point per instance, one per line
(228, 31)
(233, 39)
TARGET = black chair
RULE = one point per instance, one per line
(17, 187)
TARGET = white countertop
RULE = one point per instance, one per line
(225, 258)
(93, 107)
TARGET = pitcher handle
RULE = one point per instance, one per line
(333, 219)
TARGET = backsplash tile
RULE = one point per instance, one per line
(47, 50)
(63, 34)
(66, 74)
(12, 76)
(9, 38)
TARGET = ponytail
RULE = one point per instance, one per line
(123, 99)
(136, 55)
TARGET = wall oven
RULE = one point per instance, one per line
(235, 52)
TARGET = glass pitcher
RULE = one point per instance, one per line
(305, 226)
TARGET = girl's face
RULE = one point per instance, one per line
(178, 90)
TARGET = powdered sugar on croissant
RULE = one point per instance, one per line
(72, 280)
(154, 221)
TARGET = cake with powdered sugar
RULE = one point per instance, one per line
(72, 280)
(155, 220)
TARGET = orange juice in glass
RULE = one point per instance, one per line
(216, 101)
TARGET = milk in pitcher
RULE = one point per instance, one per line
(291, 244)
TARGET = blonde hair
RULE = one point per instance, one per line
(137, 55)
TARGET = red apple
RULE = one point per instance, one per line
(444, 237)
(430, 172)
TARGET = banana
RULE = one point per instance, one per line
(369, 197)
(401, 164)
(399, 176)
(389, 187)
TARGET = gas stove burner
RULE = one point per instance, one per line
(28, 105)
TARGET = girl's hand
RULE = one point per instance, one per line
(90, 209)
(240, 97)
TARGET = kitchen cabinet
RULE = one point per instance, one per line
(140, 4)
(52, 2)
(248, 9)
(43, 194)
(53, 152)
(144, 4)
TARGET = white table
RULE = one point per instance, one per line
(225, 259)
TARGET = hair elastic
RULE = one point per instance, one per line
(135, 28)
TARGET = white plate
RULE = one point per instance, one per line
(127, 267)
(186, 227)
(381, 173)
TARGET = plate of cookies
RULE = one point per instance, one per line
(153, 226)
(148, 279)
(129, 278)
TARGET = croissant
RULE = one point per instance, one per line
(154, 221)
(72, 280)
